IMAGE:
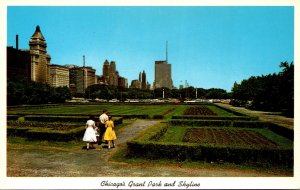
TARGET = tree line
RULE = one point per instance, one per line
(30, 92)
(101, 91)
(273, 92)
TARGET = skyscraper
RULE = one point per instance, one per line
(111, 75)
(163, 77)
(81, 78)
(143, 81)
(40, 60)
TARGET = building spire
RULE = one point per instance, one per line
(167, 51)
(83, 60)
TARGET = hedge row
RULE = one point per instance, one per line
(52, 125)
(194, 152)
(57, 118)
(141, 116)
(184, 122)
(32, 134)
(82, 117)
(231, 118)
(158, 116)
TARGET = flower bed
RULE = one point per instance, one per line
(229, 136)
(198, 110)
(235, 118)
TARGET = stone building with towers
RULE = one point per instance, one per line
(40, 60)
(142, 78)
(140, 83)
(32, 64)
(111, 76)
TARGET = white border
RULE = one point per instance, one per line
(94, 183)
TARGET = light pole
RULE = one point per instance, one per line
(163, 93)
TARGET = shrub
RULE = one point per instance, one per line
(194, 152)
(232, 118)
(142, 116)
(50, 135)
(20, 132)
(50, 119)
(35, 124)
(158, 117)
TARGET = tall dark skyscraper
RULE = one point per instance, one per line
(144, 82)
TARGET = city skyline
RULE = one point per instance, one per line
(210, 47)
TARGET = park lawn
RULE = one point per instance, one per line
(93, 109)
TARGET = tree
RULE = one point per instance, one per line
(273, 92)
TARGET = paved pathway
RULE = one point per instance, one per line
(264, 116)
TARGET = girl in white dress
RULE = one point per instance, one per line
(89, 136)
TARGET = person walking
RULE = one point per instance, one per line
(89, 136)
(110, 134)
(102, 121)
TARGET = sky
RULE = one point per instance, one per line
(208, 46)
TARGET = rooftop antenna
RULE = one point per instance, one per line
(83, 60)
(167, 51)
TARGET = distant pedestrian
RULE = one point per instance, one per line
(102, 121)
(89, 136)
(110, 134)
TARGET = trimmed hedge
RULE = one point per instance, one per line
(231, 118)
(20, 132)
(200, 123)
(194, 152)
(58, 118)
(283, 131)
(158, 116)
(50, 135)
(53, 125)
(141, 116)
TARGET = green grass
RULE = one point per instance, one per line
(118, 109)
(173, 134)
(219, 111)
(280, 140)
(179, 111)
(93, 109)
